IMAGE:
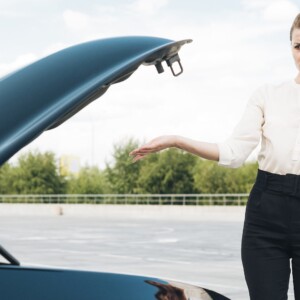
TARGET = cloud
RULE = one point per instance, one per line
(274, 11)
(228, 59)
(148, 6)
(75, 20)
(55, 47)
(86, 25)
(256, 4)
(28, 58)
(18, 63)
(280, 11)
(13, 14)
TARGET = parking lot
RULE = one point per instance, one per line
(206, 253)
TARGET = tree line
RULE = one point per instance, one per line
(171, 171)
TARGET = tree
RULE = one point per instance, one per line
(5, 179)
(242, 179)
(90, 180)
(167, 172)
(36, 173)
(124, 174)
(209, 177)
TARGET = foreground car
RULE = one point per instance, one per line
(42, 96)
(32, 283)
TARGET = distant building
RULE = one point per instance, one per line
(69, 165)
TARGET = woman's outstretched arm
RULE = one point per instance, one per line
(230, 153)
(205, 150)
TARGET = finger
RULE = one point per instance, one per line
(133, 152)
(140, 151)
(144, 148)
(135, 157)
(147, 147)
(135, 160)
(138, 157)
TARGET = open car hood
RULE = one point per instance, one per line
(44, 94)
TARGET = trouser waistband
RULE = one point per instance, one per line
(288, 184)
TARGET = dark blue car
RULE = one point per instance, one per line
(40, 97)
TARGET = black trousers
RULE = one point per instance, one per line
(271, 236)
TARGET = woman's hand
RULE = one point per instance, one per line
(155, 145)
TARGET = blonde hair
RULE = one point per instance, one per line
(296, 24)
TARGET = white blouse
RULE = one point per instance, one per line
(272, 116)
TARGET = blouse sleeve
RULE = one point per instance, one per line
(246, 135)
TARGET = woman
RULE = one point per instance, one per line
(271, 232)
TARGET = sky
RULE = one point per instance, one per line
(238, 45)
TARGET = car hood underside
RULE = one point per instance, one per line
(44, 94)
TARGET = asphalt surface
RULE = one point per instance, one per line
(206, 253)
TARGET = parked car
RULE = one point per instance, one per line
(40, 97)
